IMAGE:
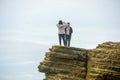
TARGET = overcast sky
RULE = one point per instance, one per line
(28, 27)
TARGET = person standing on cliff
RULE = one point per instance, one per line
(61, 32)
(68, 32)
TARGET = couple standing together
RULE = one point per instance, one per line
(64, 33)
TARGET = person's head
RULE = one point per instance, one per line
(60, 22)
(68, 24)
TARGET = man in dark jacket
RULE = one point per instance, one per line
(68, 32)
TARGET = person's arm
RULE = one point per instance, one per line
(64, 25)
(59, 26)
(71, 30)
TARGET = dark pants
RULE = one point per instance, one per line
(68, 38)
(61, 37)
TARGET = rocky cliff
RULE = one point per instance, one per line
(70, 63)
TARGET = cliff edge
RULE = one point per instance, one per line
(70, 63)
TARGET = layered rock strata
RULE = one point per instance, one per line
(64, 63)
(70, 63)
(104, 62)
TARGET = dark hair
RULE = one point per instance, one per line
(68, 23)
(60, 22)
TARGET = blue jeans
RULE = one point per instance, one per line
(61, 37)
(68, 38)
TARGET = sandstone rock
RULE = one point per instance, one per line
(70, 63)
(104, 62)
(64, 63)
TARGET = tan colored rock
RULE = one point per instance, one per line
(104, 62)
(70, 63)
(64, 63)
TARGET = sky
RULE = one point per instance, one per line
(28, 29)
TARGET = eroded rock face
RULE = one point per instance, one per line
(69, 63)
(104, 62)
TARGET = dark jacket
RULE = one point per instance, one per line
(71, 30)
